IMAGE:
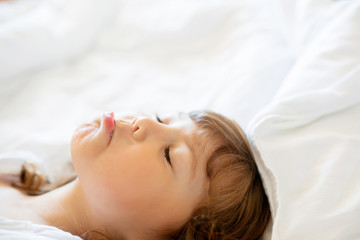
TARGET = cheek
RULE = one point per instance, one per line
(126, 181)
(138, 182)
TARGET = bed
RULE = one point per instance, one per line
(288, 71)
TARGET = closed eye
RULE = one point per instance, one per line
(167, 149)
(158, 118)
(167, 155)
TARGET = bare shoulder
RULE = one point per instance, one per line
(10, 200)
(9, 194)
(6, 189)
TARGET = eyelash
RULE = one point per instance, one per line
(167, 155)
(167, 149)
(158, 118)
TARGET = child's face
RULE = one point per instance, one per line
(127, 178)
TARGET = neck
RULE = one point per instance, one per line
(64, 208)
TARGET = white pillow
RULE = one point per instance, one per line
(35, 34)
(307, 141)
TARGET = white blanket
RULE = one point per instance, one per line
(14, 229)
(307, 140)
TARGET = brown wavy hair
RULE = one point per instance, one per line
(237, 206)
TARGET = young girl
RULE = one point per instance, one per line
(190, 176)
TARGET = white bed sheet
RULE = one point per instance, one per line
(307, 139)
(15, 230)
(228, 56)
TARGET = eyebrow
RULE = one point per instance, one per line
(193, 162)
(190, 144)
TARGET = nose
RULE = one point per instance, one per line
(145, 126)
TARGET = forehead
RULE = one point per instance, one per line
(193, 133)
(198, 140)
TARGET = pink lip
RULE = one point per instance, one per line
(109, 123)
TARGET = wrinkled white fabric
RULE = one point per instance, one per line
(307, 140)
(38, 34)
(14, 230)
